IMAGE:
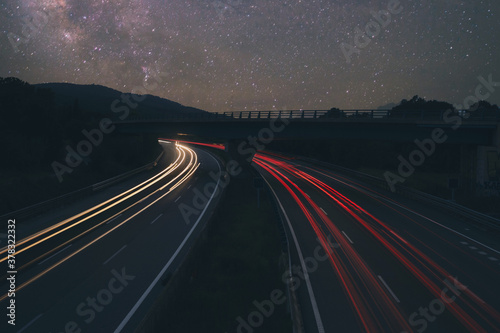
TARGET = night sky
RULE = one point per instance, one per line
(256, 54)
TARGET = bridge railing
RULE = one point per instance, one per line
(364, 114)
(299, 114)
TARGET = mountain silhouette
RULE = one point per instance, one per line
(99, 99)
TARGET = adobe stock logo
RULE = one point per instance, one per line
(427, 147)
(373, 29)
(222, 7)
(420, 319)
(89, 309)
(32, 25)
(247, 149)
(93, 138)
(292, 278)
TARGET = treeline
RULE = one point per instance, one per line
(382, 154)
(477, 110)
(419, 107)
(35, 129)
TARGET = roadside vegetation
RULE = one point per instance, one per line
(35, 129)
(236, 263)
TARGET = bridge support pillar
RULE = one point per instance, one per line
(487, 182)
(488, 171)
(480, 170)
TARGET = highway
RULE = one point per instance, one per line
(97, 266)
(365, 260)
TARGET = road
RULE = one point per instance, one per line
(98, 267)
(365, 260)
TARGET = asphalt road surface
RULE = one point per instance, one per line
(97, 265)
(366, 260)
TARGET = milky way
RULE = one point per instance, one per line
(257, 54)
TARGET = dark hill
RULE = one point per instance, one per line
(97, 98)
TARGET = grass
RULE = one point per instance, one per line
(236, 265)
(429, 182)
(19, 189)
(437, 184)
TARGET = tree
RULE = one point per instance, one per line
(418, 107)
(334, 113)
(484, 110)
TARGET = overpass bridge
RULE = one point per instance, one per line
(478, 129)
(477, 133)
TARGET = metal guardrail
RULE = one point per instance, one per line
(365, 114)
(153, 320)
(450, 206)
(64, 199)
(293, 302)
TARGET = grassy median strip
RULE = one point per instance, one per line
(235, 265)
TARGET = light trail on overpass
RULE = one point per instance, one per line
(210, 145)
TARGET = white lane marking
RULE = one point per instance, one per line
(323, 211)
(177, 199)
(182, 180)
(492, 258)
(389, 289)
(55, 254)
(124, 246)
(409, 210)
(28, 324)
(114, 218)
(464, 243)
(315, 309)
(308, 196)
(399, 237)
(348, 238)
(472, 247)
(157, 218)
(189, 187)
(482, 253)
(167, 265)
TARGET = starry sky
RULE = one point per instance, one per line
(222, 55)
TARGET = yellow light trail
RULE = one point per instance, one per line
(118, 199)
(186, 173)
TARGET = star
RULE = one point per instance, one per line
(222, 55)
